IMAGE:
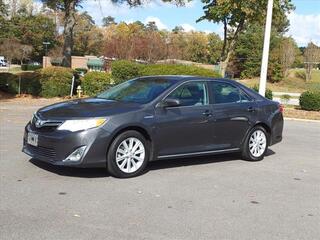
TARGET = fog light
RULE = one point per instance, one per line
(76, 155)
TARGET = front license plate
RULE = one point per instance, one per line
(32, 139)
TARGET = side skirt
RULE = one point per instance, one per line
(230, 150)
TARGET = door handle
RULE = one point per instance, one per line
(251, 109)
(207, 113)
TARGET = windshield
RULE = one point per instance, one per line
(138, 90)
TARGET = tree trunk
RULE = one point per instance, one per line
(225, 31)
(228, 49)
(224, 64)
(308, 71)
(69, 23)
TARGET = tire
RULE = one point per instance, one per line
(255, 151)
(123, 162)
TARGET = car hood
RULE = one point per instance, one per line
(86, 108)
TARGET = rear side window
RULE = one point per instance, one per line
(191, 94)
(227, 93)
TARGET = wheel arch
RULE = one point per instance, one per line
(262, 124)
(137, 128)
(145, 133)
(265, 126)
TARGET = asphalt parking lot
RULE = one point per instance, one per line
(218, 197)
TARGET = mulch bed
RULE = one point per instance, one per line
(301, 114)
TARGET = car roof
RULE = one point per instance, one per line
(186, 78)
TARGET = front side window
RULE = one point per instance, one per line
(191, 94)
(227, 93)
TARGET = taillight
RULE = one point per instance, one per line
(281, 108)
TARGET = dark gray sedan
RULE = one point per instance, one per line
(153, 118)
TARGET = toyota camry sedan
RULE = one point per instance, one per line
(154, 118)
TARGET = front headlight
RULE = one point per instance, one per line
(83, 124)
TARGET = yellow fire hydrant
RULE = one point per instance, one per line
(79, 91)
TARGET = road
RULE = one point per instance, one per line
(218, 197)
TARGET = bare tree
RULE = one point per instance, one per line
(287, 54)
(24, 52)
(10, 49)
(311, 57)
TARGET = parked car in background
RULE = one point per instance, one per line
(155, 118)
(3, 62)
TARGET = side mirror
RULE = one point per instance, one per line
(169, 102)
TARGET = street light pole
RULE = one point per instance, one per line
(266, 47)
(46, 53)
(46, 47)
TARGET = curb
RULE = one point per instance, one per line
(301, 120)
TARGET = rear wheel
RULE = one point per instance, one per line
(256, 144)
(128, 155)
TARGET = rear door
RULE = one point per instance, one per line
(234, 112)
(184, 129)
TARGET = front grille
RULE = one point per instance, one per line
(43, 129)
(45, 125)
(42, 151)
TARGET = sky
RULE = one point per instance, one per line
(304, 21)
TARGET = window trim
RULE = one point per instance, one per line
(206, 84)
(230, 103)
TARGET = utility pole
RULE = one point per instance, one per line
(266, 47)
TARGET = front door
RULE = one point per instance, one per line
(184, 129)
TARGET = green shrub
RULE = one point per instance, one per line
(124, 70)
(173, 69)
(24, 67)
(29, 83)
(310, 101)
(56, 61)
(276, 73)
(268, 93)
(55, 81)
(30, 67)
(9, 83)
(95, 82)
(285, 98)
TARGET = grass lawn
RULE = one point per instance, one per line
(14, 69)
(294, 82)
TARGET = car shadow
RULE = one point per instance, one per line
(269, 152)
(153, 166)
(71, 171)
(200, 160)
(209, 159)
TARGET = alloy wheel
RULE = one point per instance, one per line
(130, 155)
(257, 143)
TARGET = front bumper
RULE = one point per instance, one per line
(55, 146)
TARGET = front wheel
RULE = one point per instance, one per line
(128, 155)
(256, 144)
